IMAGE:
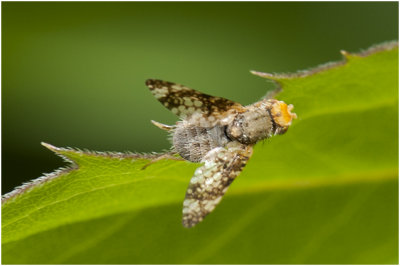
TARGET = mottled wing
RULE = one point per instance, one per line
(211, 181)
(191, 104)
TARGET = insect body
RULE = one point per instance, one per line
(218, 132)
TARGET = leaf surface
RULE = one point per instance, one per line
(326, 192)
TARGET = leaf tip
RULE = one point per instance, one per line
(49, 146)
(67, 154)
(261, 74)
(345, 54)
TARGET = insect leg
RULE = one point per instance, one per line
(162, 126)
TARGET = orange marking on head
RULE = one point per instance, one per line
(281, 113)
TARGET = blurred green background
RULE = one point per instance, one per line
(73, 73)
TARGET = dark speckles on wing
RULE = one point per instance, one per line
(185, 102)
(210, 181)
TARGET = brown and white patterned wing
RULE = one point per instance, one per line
(191, 104)
(210, 181)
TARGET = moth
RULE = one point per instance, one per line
(219, 133)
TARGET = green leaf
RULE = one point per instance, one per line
(326, 192)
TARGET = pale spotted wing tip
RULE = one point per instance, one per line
(150, 83)
(157, 84)
(187, 223)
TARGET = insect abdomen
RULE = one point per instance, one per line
(193, 142)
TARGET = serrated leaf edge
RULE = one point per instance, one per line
(276, 77)
(63, 153)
